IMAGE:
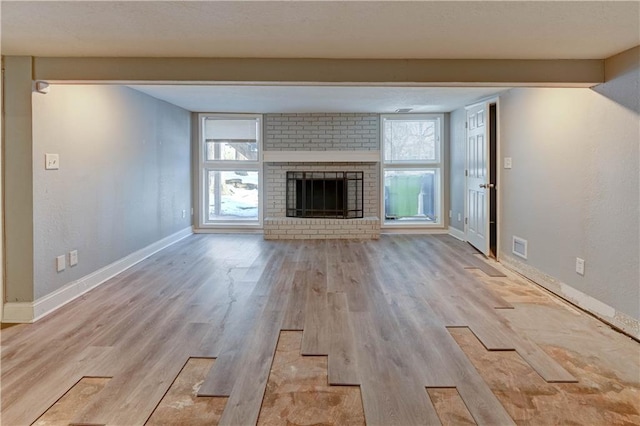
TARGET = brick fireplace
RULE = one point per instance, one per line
(321, 143)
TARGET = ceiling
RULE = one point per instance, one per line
(347, 29)
(272, 99)
(320, 29)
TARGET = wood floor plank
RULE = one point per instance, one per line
(334, 264)
(259, 348)
(342, 367)
(315, 336)
(481, 402)
(493, 334)
(146, 386)
(238, 326)
(217, 319)
(450, 264)
(418, 326)
(476, 262)
(295, 311)
(378, 309)
(491, 329)
(457, 309)
(389, 395)
(381, 346)
(539, 360)
(450, 407)
(221, 378)
(354, 284)
(69, 338)
(30, 405)
(243, 406)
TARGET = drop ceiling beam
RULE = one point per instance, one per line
(622, 63)
(442, 72)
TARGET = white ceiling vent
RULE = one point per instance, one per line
(519, 247)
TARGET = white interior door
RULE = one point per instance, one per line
(478, 186)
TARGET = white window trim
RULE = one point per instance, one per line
(439, 165)
(206, 165)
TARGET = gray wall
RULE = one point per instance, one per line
(124, 177)
(573, 190)
(457, 143)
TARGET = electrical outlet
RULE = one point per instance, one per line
(507, 162)
(51, 162)
(450, 214)
(579, 266)
(60, 263)
(184, 214)
(459, 217)
(73, 258)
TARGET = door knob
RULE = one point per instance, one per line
(487, 185)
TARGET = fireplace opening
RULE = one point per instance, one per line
(325, 194)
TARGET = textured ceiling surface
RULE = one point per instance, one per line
(348, 29)
(266, 99)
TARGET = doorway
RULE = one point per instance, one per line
(481, 194)
(493, 177)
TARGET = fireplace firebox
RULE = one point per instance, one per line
(325, 194)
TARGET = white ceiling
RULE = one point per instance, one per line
(347, 29)
(271, 99)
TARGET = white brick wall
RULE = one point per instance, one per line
(276, 184)
(320, 132)
(321, 229)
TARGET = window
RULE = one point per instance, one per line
(412, 169)
(230, 170)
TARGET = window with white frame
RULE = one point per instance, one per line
(412, 169)
(230, 169)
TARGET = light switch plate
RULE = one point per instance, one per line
(579, 266)
(507, 162)
(51, 162)
(60, 263)
(73, 257)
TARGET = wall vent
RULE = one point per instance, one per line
(519, 247)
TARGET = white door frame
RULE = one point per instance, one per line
(488, 101)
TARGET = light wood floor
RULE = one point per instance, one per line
(406, 330)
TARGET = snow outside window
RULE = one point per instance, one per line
(230, 171)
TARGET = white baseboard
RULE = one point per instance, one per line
(604, 312)
(401, 230)
(228, 231)
(456, 233)
(17, 312)
(28, 312)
